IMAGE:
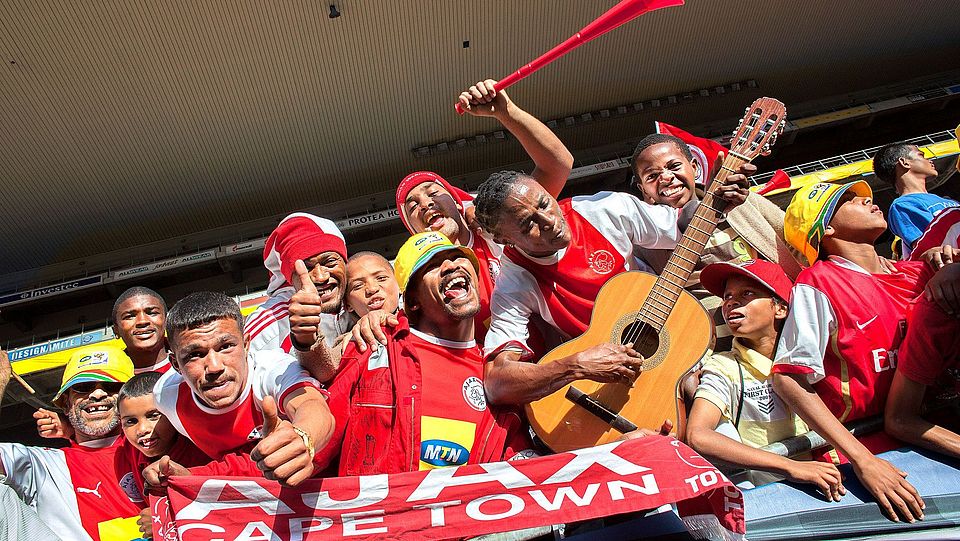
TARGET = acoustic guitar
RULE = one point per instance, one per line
(666, 324)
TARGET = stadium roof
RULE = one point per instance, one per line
(131, 127)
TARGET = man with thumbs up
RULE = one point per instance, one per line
(305, 310)
(224, 397)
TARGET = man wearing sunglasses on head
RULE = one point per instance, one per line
(82, 491)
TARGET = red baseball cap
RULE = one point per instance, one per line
(714, 277)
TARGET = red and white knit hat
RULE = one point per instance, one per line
(413, 180)
(299, 236)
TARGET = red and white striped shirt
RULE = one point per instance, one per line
(268, 327)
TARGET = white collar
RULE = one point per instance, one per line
(453, 344)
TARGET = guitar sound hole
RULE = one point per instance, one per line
(644, 337)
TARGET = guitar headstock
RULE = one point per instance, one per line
(758, 129)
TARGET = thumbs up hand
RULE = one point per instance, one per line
(305, 309)
(285, 453)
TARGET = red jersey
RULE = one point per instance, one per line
(83, 491)
(843, 331)
(944, 230)
(220, 431)
(932, 345)
(161, 367)
(454, 403)
(488, 254)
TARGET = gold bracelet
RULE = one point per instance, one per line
(307, 440)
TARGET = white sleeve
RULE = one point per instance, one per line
(806, 334)
(648, 226)
(277, 374)
(511, 304)
(30, 469)
(718, 390)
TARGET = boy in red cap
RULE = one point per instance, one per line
(299, 315)
(427, 202)
(736, 411)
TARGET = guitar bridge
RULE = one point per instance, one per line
(615, 420)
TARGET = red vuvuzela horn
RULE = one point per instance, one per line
(779, 180)
(619, 14)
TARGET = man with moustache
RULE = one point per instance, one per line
(78, 489)
(220, 392)
(293, 319)
(418, 402)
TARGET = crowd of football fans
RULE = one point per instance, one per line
(357, 366)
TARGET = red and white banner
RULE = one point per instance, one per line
(465, 501)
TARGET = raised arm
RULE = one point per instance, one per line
(305, 310)
(552, 159)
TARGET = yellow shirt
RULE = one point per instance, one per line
(764, 417)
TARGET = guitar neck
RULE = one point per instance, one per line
(671, 282)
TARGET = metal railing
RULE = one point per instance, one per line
(851, 157)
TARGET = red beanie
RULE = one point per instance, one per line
(413, 180)
(299, 236)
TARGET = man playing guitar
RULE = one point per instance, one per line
(557, 257)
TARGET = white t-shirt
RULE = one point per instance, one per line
(220, 431)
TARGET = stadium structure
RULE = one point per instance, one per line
(159, 143)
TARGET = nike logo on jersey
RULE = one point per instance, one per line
(862, 326)
(95, 491)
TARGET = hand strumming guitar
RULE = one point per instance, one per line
(609, 363)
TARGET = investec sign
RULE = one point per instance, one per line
(165, 264)
(49, 291)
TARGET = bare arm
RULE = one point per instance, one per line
(703, 437)
(902, 418)
(321, 361)
(886, 483)
(508, 380)
(552, 159)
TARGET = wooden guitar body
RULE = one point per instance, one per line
(601, 412)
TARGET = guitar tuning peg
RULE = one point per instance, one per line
(765, 151)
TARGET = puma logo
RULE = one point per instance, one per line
(95, 491)
(862, 326)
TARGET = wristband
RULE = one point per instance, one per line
(307, 441)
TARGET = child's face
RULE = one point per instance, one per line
(749, 308)
(665, 175)
(371, 285)
(856, 219)
(145, 427)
